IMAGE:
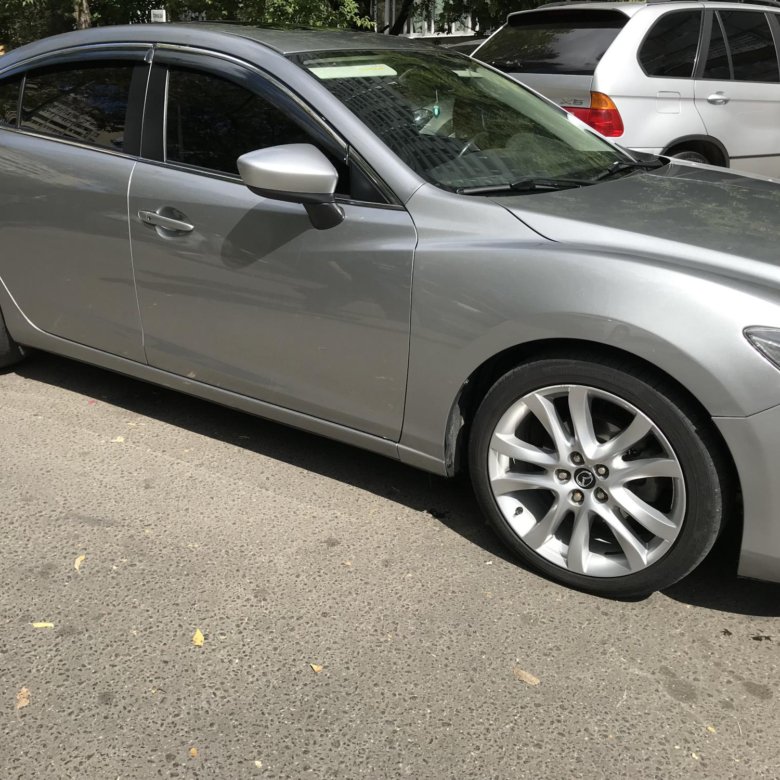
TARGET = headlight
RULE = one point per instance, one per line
(766, 341)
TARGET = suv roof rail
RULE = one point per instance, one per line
(548, 3)
(562, 3)
(774, 3)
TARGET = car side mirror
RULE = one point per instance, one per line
(296, 173)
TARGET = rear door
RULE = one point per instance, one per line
(737, 91)
(65, 166)
(554, 51)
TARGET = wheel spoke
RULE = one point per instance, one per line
(648, 468)
(548, 525)
(582, 420)
(647, 516)
(633, 549)
(579, 544)
(517, 449)
(544, 411)
(510, 482)
(639, 428)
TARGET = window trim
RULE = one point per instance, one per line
(699, 44)
(209, 61)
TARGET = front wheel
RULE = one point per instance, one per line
(600, 476)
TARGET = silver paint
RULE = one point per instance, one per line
(370, 331)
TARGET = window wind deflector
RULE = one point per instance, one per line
(527, 184)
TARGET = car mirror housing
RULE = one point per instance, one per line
(297, 173)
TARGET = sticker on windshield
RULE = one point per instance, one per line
(353, 71)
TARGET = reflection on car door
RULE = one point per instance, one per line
(65, 252)
(737, 92)
(241, 292)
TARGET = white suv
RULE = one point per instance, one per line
(698, 80)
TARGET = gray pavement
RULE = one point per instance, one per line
(286, 550)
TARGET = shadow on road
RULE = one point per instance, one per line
(714, 585)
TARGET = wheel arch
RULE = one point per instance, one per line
(482, 378)
(700, 143)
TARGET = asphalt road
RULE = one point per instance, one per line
(286, 551)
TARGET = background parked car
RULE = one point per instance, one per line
(690, 80)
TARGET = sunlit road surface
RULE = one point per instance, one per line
(187, 591)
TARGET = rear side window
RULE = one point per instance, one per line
(210, 122)
(9, 101)
(567, 41)
(718, 65)
(670, 47)
(753, 54)
(86, 103)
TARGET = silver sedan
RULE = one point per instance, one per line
(403, 249)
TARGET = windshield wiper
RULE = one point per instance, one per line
(526, 184)
(619, 166)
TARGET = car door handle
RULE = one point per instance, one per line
(717, 99)
(166, 223)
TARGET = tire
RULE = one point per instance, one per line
(691, 156)
(598, 474)
(10, 351)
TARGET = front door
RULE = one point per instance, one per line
(241, 292)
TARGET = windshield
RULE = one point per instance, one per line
(457, 123)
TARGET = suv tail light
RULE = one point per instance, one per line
(602, 115)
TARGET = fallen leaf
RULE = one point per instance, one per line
(91, 402)
(118, 440)
(712, 729)
(193, 752)
(42, 624)
(259, 764)
(22, 698)
(695, 756)
(316, 668)
(762, 638)
(197, 638)
(726, 632)
(526, 677)
(77, 563)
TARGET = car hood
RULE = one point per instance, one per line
(698, 216)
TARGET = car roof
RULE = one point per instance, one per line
(218, 36)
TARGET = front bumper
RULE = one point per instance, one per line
(755, 446)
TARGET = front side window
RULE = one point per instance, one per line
(210, 122)
(457, 123)
(85, 102)
(9, 101)
(670, 47)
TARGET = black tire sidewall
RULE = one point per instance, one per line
(662, 405)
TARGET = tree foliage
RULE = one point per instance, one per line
(25, 20)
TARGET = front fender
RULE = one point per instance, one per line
(475, 297)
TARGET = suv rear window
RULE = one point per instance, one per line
(566, 41)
